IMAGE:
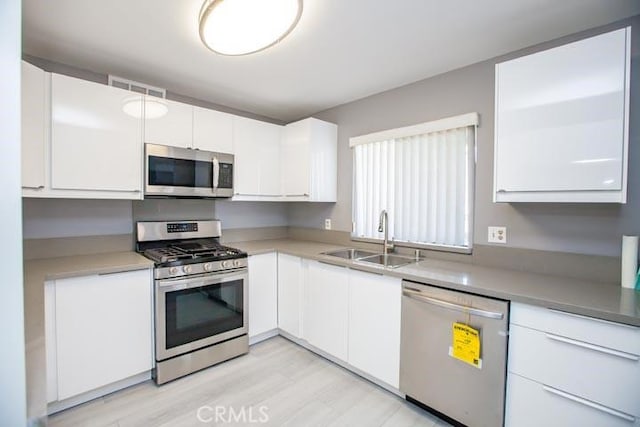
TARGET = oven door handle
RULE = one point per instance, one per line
(187, 283)
(216, 172)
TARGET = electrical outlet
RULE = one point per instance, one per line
(497, 235)
(327, 224)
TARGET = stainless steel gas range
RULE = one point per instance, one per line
(200, 292)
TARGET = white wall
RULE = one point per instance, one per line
(13, 406)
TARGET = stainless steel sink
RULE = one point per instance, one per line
(391, 261)
(350, 254)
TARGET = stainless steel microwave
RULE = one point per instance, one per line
(184, 172)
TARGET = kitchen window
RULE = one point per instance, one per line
(423, 176)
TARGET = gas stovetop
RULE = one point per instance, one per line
(190, 252)
(186, 248)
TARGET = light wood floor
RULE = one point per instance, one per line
(293, 386)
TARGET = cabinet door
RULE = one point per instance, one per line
(94, 144)
(326, 309)
(212, 130)
(257, 157)
(290, 277)
(103, 330)
(174, 128)
(295, 159)
(263, 293)
(33, 125)
(374, 325)
(561, 118)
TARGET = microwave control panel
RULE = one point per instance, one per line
(225, 179)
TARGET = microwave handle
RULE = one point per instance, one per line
(216, 172)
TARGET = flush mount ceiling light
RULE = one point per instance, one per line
(240, 27)
(154, 107)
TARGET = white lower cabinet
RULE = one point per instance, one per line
(374, 325)
(99, 331)
(326, 310)
(290, 294)
(263, 293)
(582, 371)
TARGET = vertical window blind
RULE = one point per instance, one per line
(423, 176)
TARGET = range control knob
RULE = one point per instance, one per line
(173, 270)
(208, 266)
(236, 263)
(225, 264)
(186, 269)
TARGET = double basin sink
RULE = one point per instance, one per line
(385, 260)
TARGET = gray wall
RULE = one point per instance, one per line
(578, 228)
(52, 218)
(13, 404)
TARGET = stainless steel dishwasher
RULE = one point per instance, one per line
(432, 375)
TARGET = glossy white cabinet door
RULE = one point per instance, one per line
(326, 311)
(94, 144)
(374, 325)
(257, 158)
(33, 125)
(531, 404)
(561, 119)
(103, 330)
(263, 293)
(212, 130)
(174, 128)
(290, 282)
(309, 161)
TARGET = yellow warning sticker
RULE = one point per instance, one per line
(466, 344)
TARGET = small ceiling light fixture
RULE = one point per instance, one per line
(241, 27)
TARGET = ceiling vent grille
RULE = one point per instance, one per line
(137, 87)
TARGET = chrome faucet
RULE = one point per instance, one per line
(383, 225)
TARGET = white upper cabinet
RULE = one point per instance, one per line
(309, 161)
(257, 159)
(212, 130)
(174, 128)
(189, 126)
(95, 146)
(562, 120)
(34, 111)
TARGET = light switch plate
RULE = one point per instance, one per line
(497, 234)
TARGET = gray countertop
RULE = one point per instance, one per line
(596, 299)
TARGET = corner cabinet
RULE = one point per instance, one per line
(562, 123)
(96, 148)
(99, 332)
(309, 161)
(290, 294)
(257, 159)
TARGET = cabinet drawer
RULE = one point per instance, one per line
(596, 373)
(530, 404)
(595, 331)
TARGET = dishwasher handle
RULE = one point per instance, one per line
(418, 295)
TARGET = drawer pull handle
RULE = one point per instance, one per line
(589, 403)
(593, 347)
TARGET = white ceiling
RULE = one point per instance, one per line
(340, 51)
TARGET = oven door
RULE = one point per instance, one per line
(183, 172)
(196, 312)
